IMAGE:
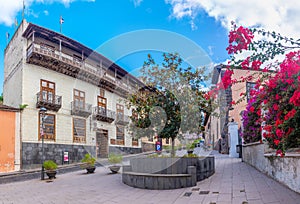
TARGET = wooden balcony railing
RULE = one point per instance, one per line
(69, 65)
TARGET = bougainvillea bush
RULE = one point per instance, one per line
(276, 100)
(281, 102)
(252, 121)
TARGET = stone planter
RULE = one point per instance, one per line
(115, 168)
(91, 169)
(167, 173)
(51, 174)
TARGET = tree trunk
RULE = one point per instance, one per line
(173, 147)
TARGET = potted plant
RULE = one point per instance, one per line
(190, 148)
(50, 167)
(115, 160)
(89, 163)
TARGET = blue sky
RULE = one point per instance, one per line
(101, 23)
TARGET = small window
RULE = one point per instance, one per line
(47, 128)
(250, 86)
(120, 132)
(79, 130)
(79, 99)
(102, 93)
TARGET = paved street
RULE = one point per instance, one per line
(234, 182)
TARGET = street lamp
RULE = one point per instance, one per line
(42, 116)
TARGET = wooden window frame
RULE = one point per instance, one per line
(102, 105)
(47, 89)
(118, 140)
(102, 93)
(45, 125)
(79, 98)
(81, 139)
(120, 110)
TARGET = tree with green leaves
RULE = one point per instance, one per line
(171, 103)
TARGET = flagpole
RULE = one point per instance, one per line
(7, 37)
(60, 29)
(61, 21)
(23, 10)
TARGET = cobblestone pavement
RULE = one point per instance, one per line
(234, 182)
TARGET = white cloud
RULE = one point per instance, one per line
(46, 12)
(272, 15)
(137, 2)
(9, 9)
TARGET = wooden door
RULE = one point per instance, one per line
(102, 143)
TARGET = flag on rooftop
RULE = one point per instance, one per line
(61, 20)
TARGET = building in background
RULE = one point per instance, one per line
(84, 94)
(217, 126)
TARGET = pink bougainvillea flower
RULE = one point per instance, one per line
(279, 133)
(276, 142)
(290, 114)
(256, 64)
(226, 79)
(275, 107)
(279, 152)
(295, 99)
(239, 39)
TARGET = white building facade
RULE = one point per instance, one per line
(84, 94)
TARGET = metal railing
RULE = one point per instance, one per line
(122, 118)
(78, 106)
(104, 112)
(48, 98)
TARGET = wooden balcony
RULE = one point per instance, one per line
(103, 114)
(83, 110)
(122, 119)
(117, 142)
(66, 64)
(50, 103)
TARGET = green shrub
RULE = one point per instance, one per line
(190, 155)
(50, 165)
(89, 160)
(114, 158)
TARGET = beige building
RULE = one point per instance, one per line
(217, 127)
(84, 94)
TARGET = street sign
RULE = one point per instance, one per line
(66, 156)
(158, 146)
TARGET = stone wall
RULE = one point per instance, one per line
(125, 150)
(167, 173)
(146, 147)
(32, 153)
(286, 170)
(205, 167)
